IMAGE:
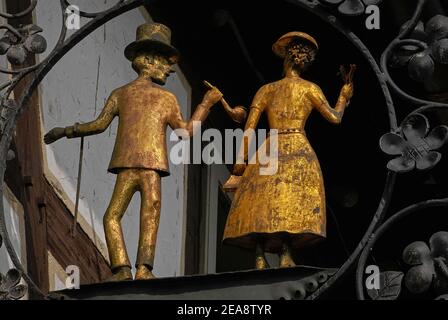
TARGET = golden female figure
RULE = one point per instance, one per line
(286, 209)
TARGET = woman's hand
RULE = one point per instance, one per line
(347, 91)
(347, 77)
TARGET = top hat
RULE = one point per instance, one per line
(281, 45)
(153, 36)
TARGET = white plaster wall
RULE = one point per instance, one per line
(12, 209)
(75, 91)
(15, 223)
(56, 274)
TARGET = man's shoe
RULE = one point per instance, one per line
(121, 274)
(261, 263)
(143, 273)
(286, 260)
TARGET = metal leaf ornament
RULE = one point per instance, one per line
(415, 144)
(390, 286)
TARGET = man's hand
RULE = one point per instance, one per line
(54, 135)
(347, 91)
(212, 96)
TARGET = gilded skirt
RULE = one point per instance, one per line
(288, 205)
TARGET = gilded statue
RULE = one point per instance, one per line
(139, 158)
(277, 212)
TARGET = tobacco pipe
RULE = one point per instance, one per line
(347, 77)
(238, 114)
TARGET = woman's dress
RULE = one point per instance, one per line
(288, 205)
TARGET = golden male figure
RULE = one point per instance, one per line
(275, 212)
(139, 158)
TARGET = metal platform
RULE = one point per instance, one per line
(272, 284)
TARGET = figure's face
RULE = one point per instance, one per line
(161, 69)
(157, 67)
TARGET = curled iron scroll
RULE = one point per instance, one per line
(38, 72)
(64, 45)
(315, 8)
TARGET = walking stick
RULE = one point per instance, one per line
(78, 187)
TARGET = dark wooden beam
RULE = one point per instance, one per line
(29, 156)
(47, 219)
(69, 250)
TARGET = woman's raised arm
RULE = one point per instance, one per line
(319, 101)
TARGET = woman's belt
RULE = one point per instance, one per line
(283, 131)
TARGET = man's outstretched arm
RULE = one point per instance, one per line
(110, 110)
(176, 120)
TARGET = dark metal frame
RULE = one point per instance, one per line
(376, 228)
(39, 71)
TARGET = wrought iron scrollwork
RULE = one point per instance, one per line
(414, 144)
(17, 44)
(328, 16)
(428, 264)
(423, 50)
(349, 7)
(426, 56)
(10, 286)
(90, 15)
(308, 285)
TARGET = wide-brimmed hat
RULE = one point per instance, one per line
(281, 45)
(153, 36)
